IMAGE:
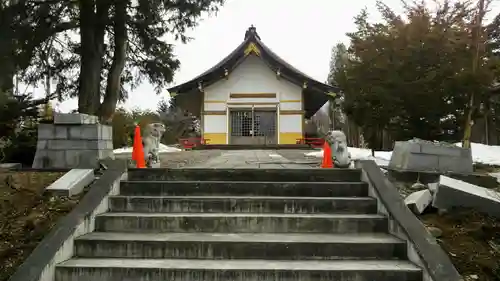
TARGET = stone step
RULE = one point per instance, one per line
(240, 222)
(243, 204)
(199, 188)
(231, 270)
(240, 246)
(272, 175)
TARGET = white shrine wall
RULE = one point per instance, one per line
(252, 84)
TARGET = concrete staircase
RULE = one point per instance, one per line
(240, 225)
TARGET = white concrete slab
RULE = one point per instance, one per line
(72, 183)
(452, 193)
(469, 188)
(419, 201)
(433, 186)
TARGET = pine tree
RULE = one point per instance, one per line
(121, 43)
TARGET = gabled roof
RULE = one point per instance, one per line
(315, 91)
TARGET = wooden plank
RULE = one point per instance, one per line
(252, 95)
(214, 112)
(291, 112)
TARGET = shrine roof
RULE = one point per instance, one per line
(315, 92)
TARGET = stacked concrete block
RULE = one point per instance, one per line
(424, 156)
(73, 141)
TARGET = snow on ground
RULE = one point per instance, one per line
(381, 157)
(163, 149)
(485, 154)
(481, 153)
(274, 155)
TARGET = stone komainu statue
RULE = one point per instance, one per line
(151, 141)
(340, 154)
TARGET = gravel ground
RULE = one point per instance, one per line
(195, 157)
(182, 158)
(300, 157)
(187, 158)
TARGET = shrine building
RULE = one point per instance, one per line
(252, 97)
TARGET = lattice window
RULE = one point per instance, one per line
(261, 123)
(241, 123)
(265, 123)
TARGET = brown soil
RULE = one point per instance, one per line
(26, 215)
(472, 241)
(483, 168)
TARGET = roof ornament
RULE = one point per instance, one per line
(251, 32)
(252, 48)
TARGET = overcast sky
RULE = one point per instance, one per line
(301, 32)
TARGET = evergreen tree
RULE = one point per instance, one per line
(18, 115)
(410, 75)
(120, 42)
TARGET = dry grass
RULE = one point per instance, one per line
(472, 241)
(26, 215)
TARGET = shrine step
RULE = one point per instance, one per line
(240, 222)
(250, 175)
(243, 204)
(246, 225)
(230, 270)
(242, 188)
(270, 246)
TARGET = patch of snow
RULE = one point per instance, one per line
(163, 149)
(166, 148)
(317, 153)
(484, 154)
(381, 157)
(123, 150)
(481, 153)
(275, 156)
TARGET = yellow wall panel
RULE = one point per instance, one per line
(290, 138)
(215, 138)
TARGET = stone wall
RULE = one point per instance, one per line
(424, 156)
(73, 141)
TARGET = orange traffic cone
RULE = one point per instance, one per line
(327, 156)
(138, 149)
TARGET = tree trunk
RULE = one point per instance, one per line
(477, 46)
(93, 19)
(7, 82)
(331, 109)
(8, 69)
(113, 86)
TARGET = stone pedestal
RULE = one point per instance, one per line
(73, 141)
(424, 156)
